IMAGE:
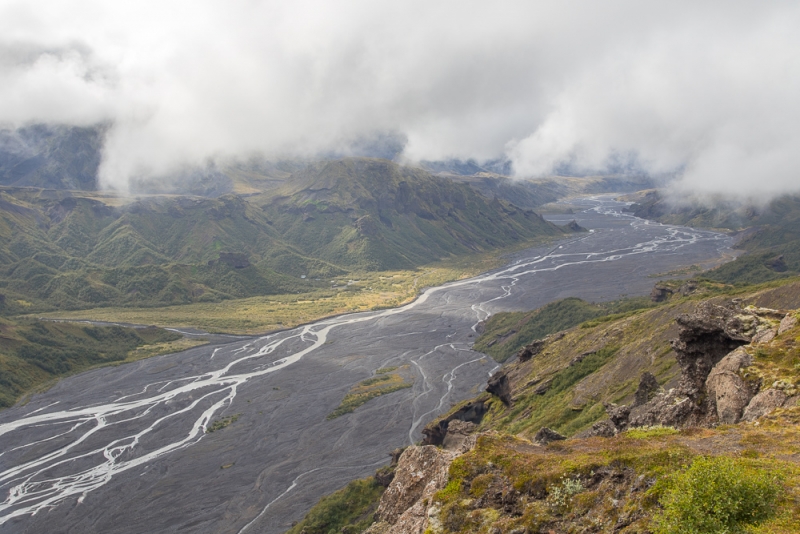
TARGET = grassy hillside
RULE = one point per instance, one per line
(769, 234)
(33, 353)
(507, 332)
(70, 250)
(741, 477)
(373, 214)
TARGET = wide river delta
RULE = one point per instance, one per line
(124, 449)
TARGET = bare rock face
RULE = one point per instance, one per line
(500, 386)
(666, 409)
(436, 431)
(618, 415)
(459, 435)
(787, 323)
(420, 473)
(660, 293)
(546, 435)
(648, 387)
(704, 338)
(764, 403)
(728, 392)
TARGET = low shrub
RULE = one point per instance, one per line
(717, 496)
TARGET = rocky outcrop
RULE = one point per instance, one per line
(459, 435)
(764, 403)
(660, 293)
(726, 392)
(711, 389)
(788, 322)
(704, 338)
(436, 431)
(546, 435)
(530, 350)
(420, 473)
(500, 386)
(648, 387)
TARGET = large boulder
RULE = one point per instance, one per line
(764, 403)
(705, 337)
(726, 390)
(500, 386)
(546, 435)
(420, 473)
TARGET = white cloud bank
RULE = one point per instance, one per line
(710, 88)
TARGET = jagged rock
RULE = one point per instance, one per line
(530, 350)
(546, 435)
(458, 435)
(435, 432)
(499, 386)
(618, 415)
(665, 409)
(660, 293)
(688, 288)
(648, 386)
(603, 429)
(573, 226)
(420, 473)
(704, 338)
(728, 392)
(764, 403)
(787, 323)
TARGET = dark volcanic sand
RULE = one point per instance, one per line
(122, 449)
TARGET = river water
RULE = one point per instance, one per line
(125, 449)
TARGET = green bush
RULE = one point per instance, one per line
(717, 496)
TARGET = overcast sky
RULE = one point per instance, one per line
(708, 88)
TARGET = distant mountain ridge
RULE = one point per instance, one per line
(74, 250)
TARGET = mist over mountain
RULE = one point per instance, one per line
(702, 92)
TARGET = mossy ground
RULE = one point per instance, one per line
(607, 484)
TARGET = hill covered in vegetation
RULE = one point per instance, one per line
(769, 234)
(682, 417)
(72, 250)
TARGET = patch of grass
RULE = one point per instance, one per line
(367, 390)
(647, 432)
(553, 408)
(219, 424)
(355, 292)
(717, 495)
(350, 510)
(384, 370)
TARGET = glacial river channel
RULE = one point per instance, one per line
(124, 449)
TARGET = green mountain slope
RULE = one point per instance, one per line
(374, 214)
(770, 234)
(489, 466)
(76, 250)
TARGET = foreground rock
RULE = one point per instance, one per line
(420, 473)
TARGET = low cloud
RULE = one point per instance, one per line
(704, 91)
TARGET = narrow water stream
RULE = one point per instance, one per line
(125, 449)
